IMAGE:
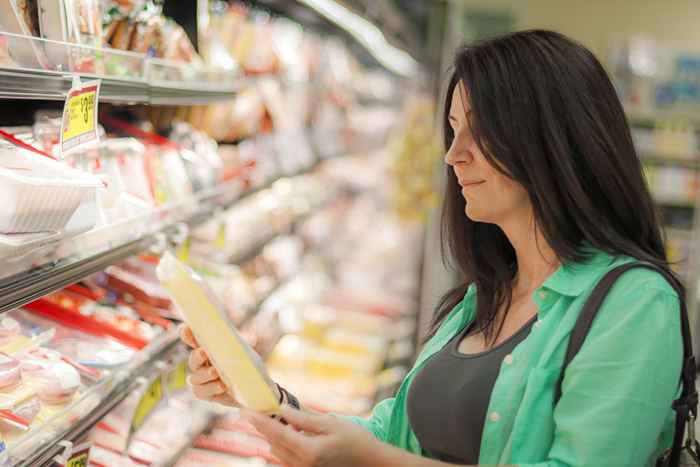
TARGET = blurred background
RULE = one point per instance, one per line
(288, 152)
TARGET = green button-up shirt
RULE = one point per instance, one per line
(615, 408)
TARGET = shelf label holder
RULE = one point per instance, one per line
(79, 121)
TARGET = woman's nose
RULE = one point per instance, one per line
(455, 156)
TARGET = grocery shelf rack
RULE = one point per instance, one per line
(137, 79)
(27, 286)
(126, 78)
(122, 384)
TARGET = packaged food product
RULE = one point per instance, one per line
(40, 194)
(17, 17)
(58, 383)
(28, 11)
(77, 312)
(239, 367)
(5, 57)
(206, 458)
(32, 368)
(237, 443)
(139, 284)
(10, 375)
(9, 329)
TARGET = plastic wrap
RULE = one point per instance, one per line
(237, 364)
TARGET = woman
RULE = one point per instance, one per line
(545, 194)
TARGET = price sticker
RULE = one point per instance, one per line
(183, 252)
(150, 399)
(177, 378)
(80, 456)
(220, 240)
(79, 122)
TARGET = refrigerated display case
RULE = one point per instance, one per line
(273, 180)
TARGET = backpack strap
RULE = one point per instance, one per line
(687, 403)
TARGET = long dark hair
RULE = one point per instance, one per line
(544, 113)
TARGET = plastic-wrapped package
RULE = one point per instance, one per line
(206, 163)
(10, 375)
(76, 21)
(47, 130)
(138, 282)
(139, 26)
(9, 330)
(40, 194)
(205, 458)
(130, 156)
(5, 57)
(238, 119)
(237, 443)
(167, 175)
(115, 201)
(88, 316)
(20, 17)
(237, 364)
(234, 289)
(58, 383)
(159, 438)
(28, 11)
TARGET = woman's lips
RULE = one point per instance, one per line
(470, 184)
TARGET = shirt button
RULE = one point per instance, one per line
(494, 417)
(543, 295)
(508, 360)
(538, 323)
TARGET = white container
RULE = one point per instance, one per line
(39, 194)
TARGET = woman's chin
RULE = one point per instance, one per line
(475, 215)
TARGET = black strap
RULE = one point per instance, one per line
(687, 403)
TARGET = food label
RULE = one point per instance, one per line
(150, 399)
(183, 252)
(177, 378)
(79, 122)
(79, 456)
(220, 240)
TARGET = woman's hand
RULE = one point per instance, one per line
(204, 379)
(312, 440)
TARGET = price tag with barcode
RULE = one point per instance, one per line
(79, 122)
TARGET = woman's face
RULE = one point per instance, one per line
(490, 196)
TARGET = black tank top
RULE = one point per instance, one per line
(449, 397)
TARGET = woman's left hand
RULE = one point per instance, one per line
(311, 440)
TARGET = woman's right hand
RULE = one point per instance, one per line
(204, 380)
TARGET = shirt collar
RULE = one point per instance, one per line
(574, 278)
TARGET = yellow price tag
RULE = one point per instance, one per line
(177, 378)
(79, 123)
(183, 253)
(79, 457)
(220, 241)
(150, 399)
(81, 460)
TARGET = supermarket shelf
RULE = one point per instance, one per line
(51, 85)
(68, 260)
(122, 382)
(658, 159)
(27, 287)
(180, 452)
(99, 248)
